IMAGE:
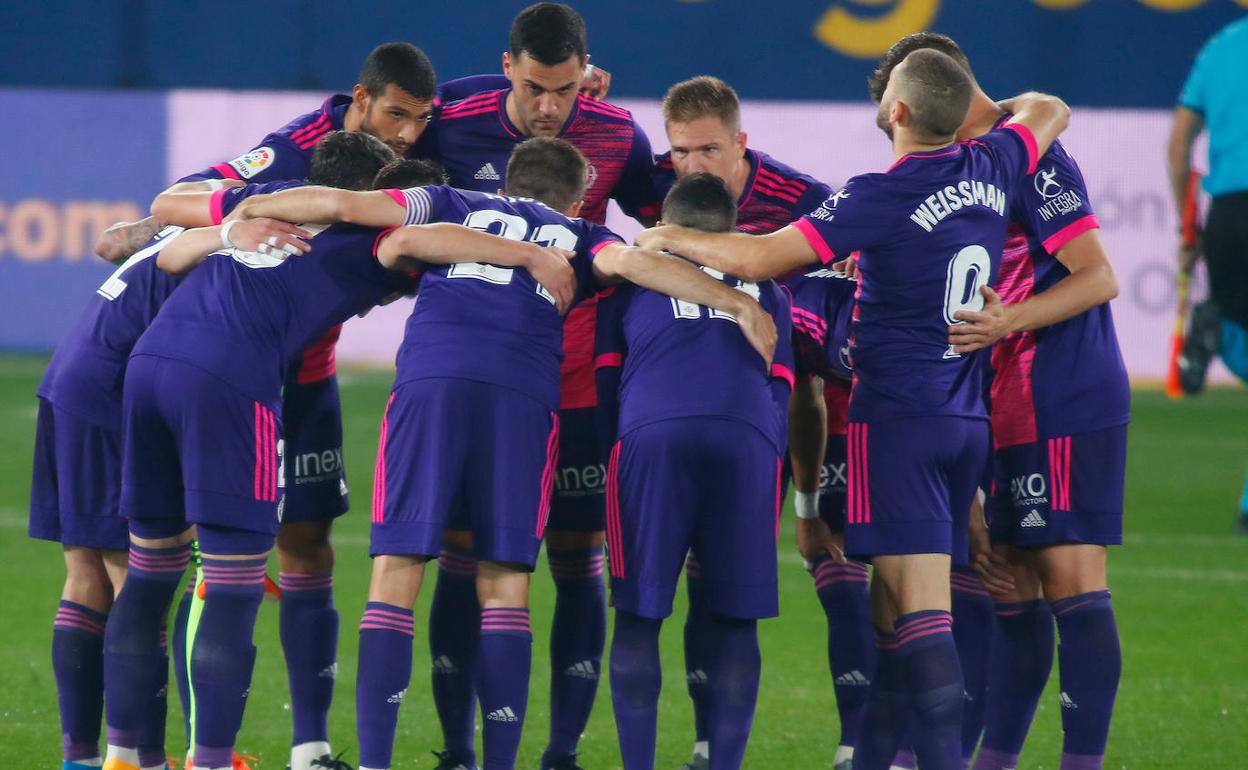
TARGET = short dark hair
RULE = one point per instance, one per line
(937, 90)
(402, 64)
(701, 201)
(700, 97)
(548, 170)
(409, 172)
(549, 33)
(898, 51)
(348, 160)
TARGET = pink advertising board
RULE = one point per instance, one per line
(1121, 153)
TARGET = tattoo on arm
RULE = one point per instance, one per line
(124, 238)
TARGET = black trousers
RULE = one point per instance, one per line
(1226, 255)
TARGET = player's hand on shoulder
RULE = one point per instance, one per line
(816, 541)
(552, 268)
(596, 82)
(653, 238)
(270, 236)
(848, 267)
(979, 329)
(758, 327)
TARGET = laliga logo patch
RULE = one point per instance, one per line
(1046, 183)
(253, 162)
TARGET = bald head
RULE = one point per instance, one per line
(935, 91)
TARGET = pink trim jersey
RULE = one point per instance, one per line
(929, 233)
(482, 322)
(1069, 377)
(774, 194)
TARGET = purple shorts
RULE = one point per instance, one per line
(77, 482)
(316, 481)
(1060, 490)
(198, 450)
(700, 483)
(579, 503)
(911, 483)
(468, 451)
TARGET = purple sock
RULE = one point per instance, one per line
(180, 620)
(577, 637)
(933, 678)
(696, 668)
(152, 733)
(223, 656)
(636, 678)
(972, 633)
(132, 654)
(1090, 661)
(385, 670)
(842, 589)
(78, 662)
(735, 664)
(309, 630)
(1022, 656)
(454, 625)
(887, 711)
(503, 664)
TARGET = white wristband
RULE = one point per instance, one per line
(226, 243)
(215, 184)
(806, 504)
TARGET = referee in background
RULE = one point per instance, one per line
(1215, 97)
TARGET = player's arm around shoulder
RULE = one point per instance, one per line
(1044, 117)
(752, 257)
(263, 236)
(328, 205)
(189, 204)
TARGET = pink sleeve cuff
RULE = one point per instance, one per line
(381, 237)
(226, 171)
(600, 245)
(398, 197)
(784, 373)
(815, 240)
(214, 205)
(604, 360)
(1057, 240)
(1029, 141)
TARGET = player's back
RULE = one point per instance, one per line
(930, 232)
(243, 316)
(85, 373)
(489, 323)
(686, 360)
(822, 312)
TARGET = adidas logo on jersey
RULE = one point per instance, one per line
(505, 714)
(329, 672)
(1066, 701)
(1033, 519)
(697, 676)
(397, 697)
(444, 665)
(852, 679)
(583, 670)
(487, 172)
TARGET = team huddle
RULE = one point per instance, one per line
(926, 355)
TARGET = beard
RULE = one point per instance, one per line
(881, 119)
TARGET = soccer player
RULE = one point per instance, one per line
(203, 438)
(697, 464)
(926, 231)
(1060, 407)
(702, 118)
(471, 428)
(474, 138)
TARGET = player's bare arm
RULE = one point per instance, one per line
(752, 257)
(991, 564)
(677, 278)
(1186, 127)
(264, 236)
(188, 204)
(1045, 115)
(122, 239)
(808, 442)
(1091, 282)
(326, 205)
(407, 248)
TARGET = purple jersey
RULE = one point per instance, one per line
(822, 311)
(482, 322)
(85, 374)
(685, 360)
(930, 232)
(1069, 377)
(775, 195)
(244, 316)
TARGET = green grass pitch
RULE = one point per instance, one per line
(1180, 591)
